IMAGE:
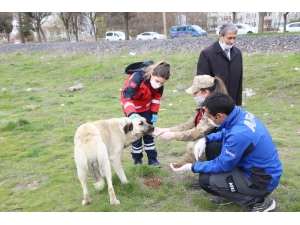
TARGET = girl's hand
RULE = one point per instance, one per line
(157, 131)
(167, 136)
(154, 118)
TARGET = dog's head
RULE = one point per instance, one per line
(138, 126)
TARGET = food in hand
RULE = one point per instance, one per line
(177, 165)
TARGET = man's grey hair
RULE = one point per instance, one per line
(226, 27)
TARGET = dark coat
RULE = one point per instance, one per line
(213, 61)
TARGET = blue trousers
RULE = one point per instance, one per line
(149, 145)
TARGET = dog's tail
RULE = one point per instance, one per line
(94, 170)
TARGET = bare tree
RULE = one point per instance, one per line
(164, 22)
(147, 21)
(126, 17)
(94, 18)
(25, 26)
(66, 17)
(284, 21)
(21, 25)
(6, 25)
(234, 17)
(74, 24)
(38, 19)
(293, 17)
(261, 20)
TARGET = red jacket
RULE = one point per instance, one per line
(137, 95)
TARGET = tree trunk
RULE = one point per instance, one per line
(76, 36)
(7, 37)
(284, 21)
(164, 22)
(41, 30)
(234, 17)
(261, 20)
(21, 27)
(38, 34)
(94, 29)
(76, 28)
(68, 34)
(126, 18)
(92, 17)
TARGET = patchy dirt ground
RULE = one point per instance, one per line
(165, 158)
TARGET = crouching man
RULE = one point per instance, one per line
(246, 168)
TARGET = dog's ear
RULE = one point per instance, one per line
(128, 127)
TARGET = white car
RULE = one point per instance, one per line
(217, 30)
(291, 27)
(150, 36)
(246, 29)
(115, 36)
(242, 29)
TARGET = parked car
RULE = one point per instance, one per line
(115, 36)
(187, 31)
(291, 27)
(150, 36)
(217, 30)
(242, 29)
(246, 29)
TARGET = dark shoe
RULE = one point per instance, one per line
(195, 186)
(154, 162)
(220, 201)
(269, 205)
(137, 161)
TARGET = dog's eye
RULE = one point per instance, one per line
(141, 123)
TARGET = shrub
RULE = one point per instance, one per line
(30, 38)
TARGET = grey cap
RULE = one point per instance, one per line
(200, 81)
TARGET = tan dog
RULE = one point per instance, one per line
(99, 144)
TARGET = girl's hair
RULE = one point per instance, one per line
(160, 69)
(218, 86)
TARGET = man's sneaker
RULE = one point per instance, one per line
(220, 201)
(137, 161)
(196, 186)
(269, 205)
(154, 162)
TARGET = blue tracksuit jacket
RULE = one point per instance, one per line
(248, 145)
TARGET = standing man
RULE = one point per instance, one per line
(224, 60)
(246, 168)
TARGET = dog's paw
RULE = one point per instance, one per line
(125, 181)
(115, 202)
(86, 201)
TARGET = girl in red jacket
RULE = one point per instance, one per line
(141, 96)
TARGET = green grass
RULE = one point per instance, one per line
(39, 117)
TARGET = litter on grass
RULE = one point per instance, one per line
(248, 92)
